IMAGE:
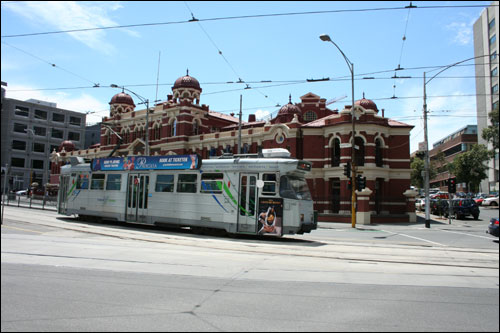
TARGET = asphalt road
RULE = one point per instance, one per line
(61, 274)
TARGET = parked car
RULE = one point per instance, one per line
(461, 208)
(479, 200)
(437, 206)
(420, 204)
(22, 192)
(440, 195)
(493, 227)
(492, 201)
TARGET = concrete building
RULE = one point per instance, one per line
(31, 130)
(451, 146)
(486, 43)
(308, 129)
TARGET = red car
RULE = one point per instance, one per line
(479, 201)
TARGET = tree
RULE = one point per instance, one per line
(470, 167)
(417, 166)
(490, 133)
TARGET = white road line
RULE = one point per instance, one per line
(463, 233)
(417, 238)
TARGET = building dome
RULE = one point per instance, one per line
(122, 98)
(367, 104)
(289, 109)
(67, 146)
(186, 82)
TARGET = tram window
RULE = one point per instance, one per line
(164, 183)
(113, 183)
(82, 182)
(269, 184)
(186, 183)
(211, 182)
(97, 181)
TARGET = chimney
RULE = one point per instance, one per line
(251, 118)
(383, 111)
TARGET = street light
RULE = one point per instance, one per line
(144, 101)
(326, 38)
(426, 140)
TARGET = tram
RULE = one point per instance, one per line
(260, 194)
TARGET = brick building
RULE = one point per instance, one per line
(309, 130)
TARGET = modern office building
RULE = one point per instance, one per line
(486, 52)
(31, 130)
(451, 146)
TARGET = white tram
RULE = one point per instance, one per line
(265, 195)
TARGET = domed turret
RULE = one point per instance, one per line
(287, 112)
(67, 146)
(186, 89)
(122, 98)
(186, 82)
(367, 104)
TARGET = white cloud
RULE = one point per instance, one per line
(70, 15)
(462, 32)
(261, 114)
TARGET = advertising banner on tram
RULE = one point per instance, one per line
(270, 216)
(171, 162)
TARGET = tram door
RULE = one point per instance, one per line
(137, 198)
(247, 204)
(63, 194)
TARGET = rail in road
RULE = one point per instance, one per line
(291, 246)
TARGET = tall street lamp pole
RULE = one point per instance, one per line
(327, 38)
(426, 142)
(144, 101)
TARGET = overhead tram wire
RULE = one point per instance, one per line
(402, 47)
(95, 85)
(244, 17)
(193, 19)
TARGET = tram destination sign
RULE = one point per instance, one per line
(170, 162)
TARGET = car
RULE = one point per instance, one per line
(438, 206)
(493, 227)
(461, 208)
(479, 200)
(492, 201)
(22, 192)
(420, 204)
(440, 195)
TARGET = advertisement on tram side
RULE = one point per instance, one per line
(173, 162)
(270, 216)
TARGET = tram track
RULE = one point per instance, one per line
(327, 249)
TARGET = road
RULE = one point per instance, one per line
(61, 274)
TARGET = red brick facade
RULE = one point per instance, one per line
(309, 130)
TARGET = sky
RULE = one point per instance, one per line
(231, 47)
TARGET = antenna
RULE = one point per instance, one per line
(157, 77)
(333, 100)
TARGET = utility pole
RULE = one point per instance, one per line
(426, 164)
(239, 125)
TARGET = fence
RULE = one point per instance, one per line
(33, 201)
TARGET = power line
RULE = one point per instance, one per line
(242, 17)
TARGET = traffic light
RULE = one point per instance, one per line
(347, 170)
(349, 183)
(360, 182)
(452, 185)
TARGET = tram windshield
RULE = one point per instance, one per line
(294, 188)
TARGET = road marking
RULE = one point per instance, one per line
(463, 233)
(37, 232)
(417, 238)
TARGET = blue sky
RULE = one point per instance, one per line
(284, 49)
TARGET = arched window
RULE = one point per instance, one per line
(378, 153)
(336, 152)
(196, 127)
(173, 130)
(360, 151)
(157, 132)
